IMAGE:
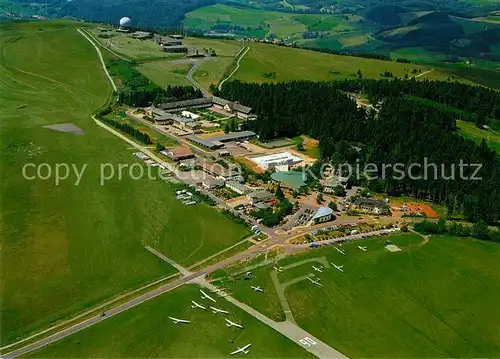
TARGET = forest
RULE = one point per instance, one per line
(403, 131)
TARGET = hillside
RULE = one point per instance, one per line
(144, 13)
(71, 245)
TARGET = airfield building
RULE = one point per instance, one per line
(275, 160)
(238, 187)
(216, 142)
(331, 182)
(210, 182)
(178, 153)
(167, 41)
(175, 49)
(375, 206)
(235, 108)
(259, 196)
(323, 214)
(142, 35)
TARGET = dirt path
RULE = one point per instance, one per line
(424, 73)
(237, 67)
(424, 237)
(100, 58)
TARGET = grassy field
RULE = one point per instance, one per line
(225, 48)
(296, 64)
(253, 22)
(68, 247)
(173, 72)
(469, 130)
(417, 54)
(212, 71)
(146, 332)
(132, 48)
(435, 299)
(164, 73)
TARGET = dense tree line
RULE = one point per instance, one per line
(475, 99)
(130, 130)
(403, 131)
(138, 90)
(479, 230)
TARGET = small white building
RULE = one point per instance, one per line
(190, 115)
(276, 160)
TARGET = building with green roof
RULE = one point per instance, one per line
(290, 179)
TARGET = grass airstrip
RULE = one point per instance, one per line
(147, 332)
(432, 299)
(68, 247)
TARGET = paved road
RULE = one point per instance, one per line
(189, 77)
(288, 329)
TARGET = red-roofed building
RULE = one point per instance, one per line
(178, 153)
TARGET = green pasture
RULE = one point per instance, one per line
(298, 64)
(269, 22)
(164, 73)
(470, 131)
(70, 246)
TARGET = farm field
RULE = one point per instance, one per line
(70, 246)
(297, 64)
(429, 300)
(147, 332)
(470, 131)
(164, 73)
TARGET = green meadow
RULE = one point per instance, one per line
(470, 131)
(253, 22)
(434, 299)
(147, 332)
(70, 246)
(164, 73)
(297, 64)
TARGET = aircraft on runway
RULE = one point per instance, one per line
(315, 281)
(278, 269)
(340, 251)
(217, 311)
(256, 289)
(233, 324)
(242, 350)
(362, 248)
(177, 321)
(196, 305)
(318, 269)
(206, 296)
(340, 268)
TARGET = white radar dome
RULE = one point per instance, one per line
(125, 22)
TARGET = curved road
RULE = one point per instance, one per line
(189, 77)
